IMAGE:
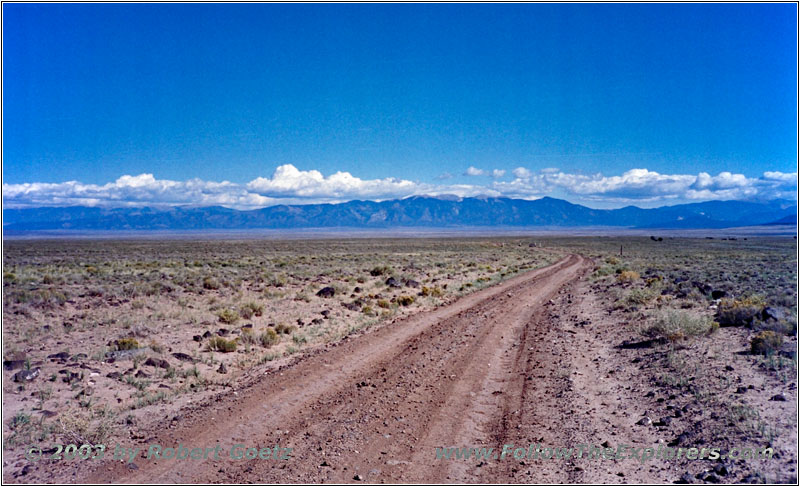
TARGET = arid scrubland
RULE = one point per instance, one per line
(708, 327)
(103, 340)
(98, 335)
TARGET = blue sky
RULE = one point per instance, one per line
(250, 105)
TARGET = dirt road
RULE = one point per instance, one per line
(375, 407)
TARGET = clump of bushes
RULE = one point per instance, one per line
(678, 324)
(219, 344)
(380, 270)
(431, 291)
(766, 343)
(127, 344)
(382, 303)
(405, 300)
(228, 316)
(210, 283)
(627, 276)
(740, 312)
(248, 310)
(269, 338)
(640, 296)
(652, 280)
(282, 329)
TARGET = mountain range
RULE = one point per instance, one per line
(416, 211)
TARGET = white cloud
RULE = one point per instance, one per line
(288, 181)
(522, 173)
(289, 185)
(474, 171)
(141, 190)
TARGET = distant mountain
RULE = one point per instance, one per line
(417, 211)
(787, 220)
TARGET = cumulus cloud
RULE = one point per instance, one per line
(643, 185)
(474, 171)
(141, 190)
(522, 173)
(288, 181)
(289, 185)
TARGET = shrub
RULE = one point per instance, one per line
(228, 316)
(739, 312)
(219, 344)
(247, 310)
(282, 329)
(653, 280)
(627, 276)
(210, 283)
(677, 324)
(406, 300)
(766, 343)
(269, 338)
(382, 303)
(127, 344)
(640, 296)
(380, 270)
(431, 291)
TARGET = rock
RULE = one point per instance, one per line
(183, 357)
(721, 469)
(681, 440)
(26, 375)
(412, 283)
(392, 282)
(711, 478)
(316, 321)
(206, 334)
(248, 326)
(718, 294)
(222, 369)
(741, 390)
(47, 413)
(223, 332)
(645, 421)
(13, 364)
(778, 397)
(114, 375)
(325, 313)
(686, 478)
(125, 354)
(665, 421)
(772, 313)
(352, 306)
(326, 292)
(157, 362)
(703, 287)
(62, 356)
(141, 374)
(357, 477)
